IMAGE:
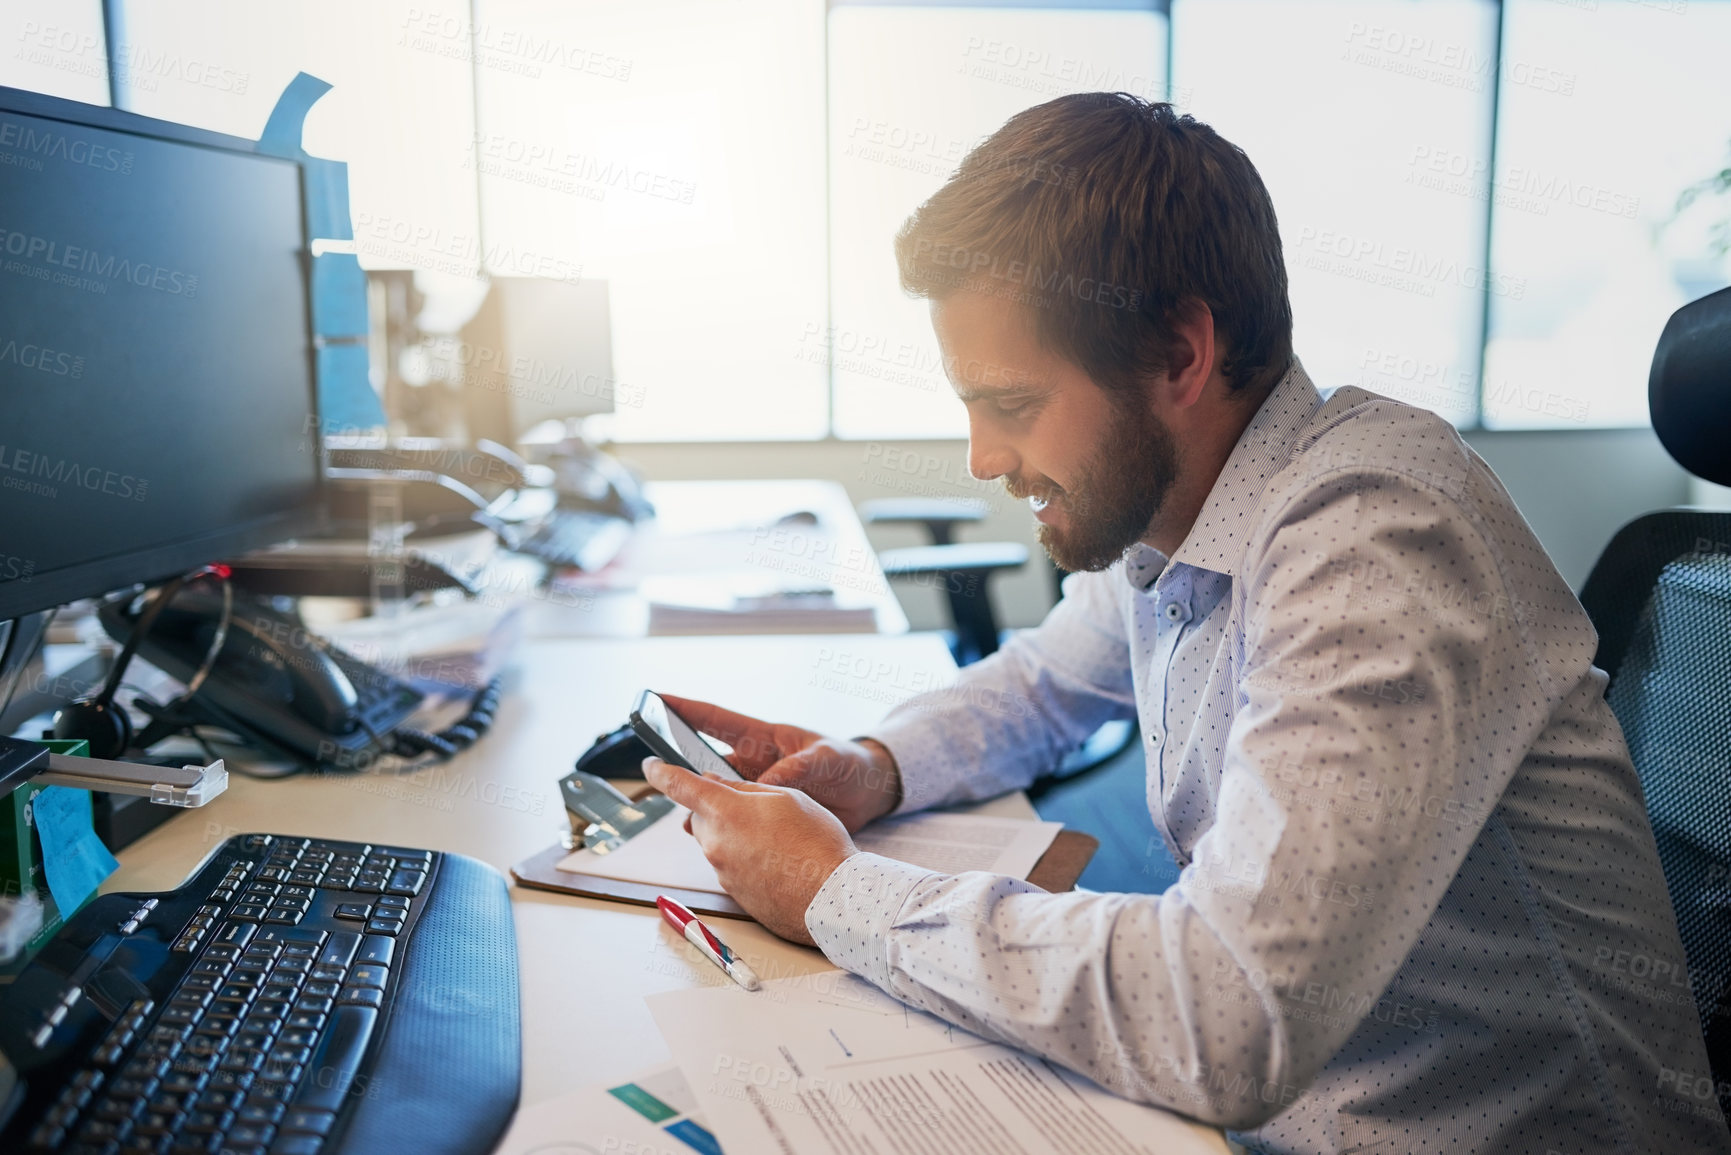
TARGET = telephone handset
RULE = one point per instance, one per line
(271, 680)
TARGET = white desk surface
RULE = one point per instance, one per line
(731, 525)
(585, 965)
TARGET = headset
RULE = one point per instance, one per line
(97, 719)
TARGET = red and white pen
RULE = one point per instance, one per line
(704, 939)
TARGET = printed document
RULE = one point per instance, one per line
(826, 1064)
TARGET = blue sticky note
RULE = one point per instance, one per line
(327, 184)
(339, 296)
(347, 402)
(282, 130)
(73, 858)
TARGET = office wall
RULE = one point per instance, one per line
(1576, 487)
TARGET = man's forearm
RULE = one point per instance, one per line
(1085, 980)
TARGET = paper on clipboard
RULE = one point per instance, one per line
(664, 855)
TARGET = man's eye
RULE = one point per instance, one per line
(1011, 408)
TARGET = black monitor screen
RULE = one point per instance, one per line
(156, 387)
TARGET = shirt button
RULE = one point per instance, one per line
(1176, 612)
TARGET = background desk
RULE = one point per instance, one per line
(731, 525)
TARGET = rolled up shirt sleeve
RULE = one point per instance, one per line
(1020, 711)
(1341, 818)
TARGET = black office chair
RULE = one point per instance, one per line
(964, 570)
(1660, 597)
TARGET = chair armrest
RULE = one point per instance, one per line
(940, 515)
(979, 557)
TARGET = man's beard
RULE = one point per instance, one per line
(1118, 490)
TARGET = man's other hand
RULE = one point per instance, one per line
(772, 847)
(857, 781)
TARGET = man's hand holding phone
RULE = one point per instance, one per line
(777, 836)
(856, 780)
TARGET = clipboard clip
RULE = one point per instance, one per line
(605, 818)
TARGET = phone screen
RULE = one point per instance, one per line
(678, 738)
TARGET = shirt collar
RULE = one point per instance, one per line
(1263, 449)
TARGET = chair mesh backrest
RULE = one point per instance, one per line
(1661, 598)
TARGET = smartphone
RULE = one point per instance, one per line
(673, 740)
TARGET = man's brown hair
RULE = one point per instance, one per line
(1110, 216)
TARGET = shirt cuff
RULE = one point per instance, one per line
(852, 913)
(917, 745)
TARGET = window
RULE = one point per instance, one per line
(56, 47)
(674, 149)
(400, 110)
(1351, 110)
(1608, 113)
(1488, 208)
(911, 90)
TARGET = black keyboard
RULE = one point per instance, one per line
(295, 997)
(585, 540)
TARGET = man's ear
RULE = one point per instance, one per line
(1191, 358)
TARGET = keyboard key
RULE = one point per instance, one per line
(337, 1057)
(272, 1092)
(279, 992)
(377, 949)
(328, 972)
(308, 1121)
(260, 1112)
(239, 1060)
(297, 1145)
(359, 911)
(406, 882)
(400, 901)
(247, 912)
(369, 976)
(184, 1081)
(382, 926)
(249, 1134)
(102, 1131)
(158, 1123)
(239, 1081)
(293, 964)
(235, 934)
(362, 996)
(340, 949)
(209, 1121)
(305, 1020)
(254, 1040)
(132, 1088)
(282, 916)
(220, 1099)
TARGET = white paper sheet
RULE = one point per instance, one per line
(826, 1064)
(664, 855)
(651, 1113)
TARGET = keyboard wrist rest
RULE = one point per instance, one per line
(446, 1067)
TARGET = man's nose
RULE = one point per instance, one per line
(989, 457)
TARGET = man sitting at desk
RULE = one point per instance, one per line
(1414, 848)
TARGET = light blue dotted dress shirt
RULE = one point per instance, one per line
(1420, 907)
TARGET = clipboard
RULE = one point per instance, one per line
(1056, 871)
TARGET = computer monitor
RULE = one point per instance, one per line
(536, 349)
(157, 390)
